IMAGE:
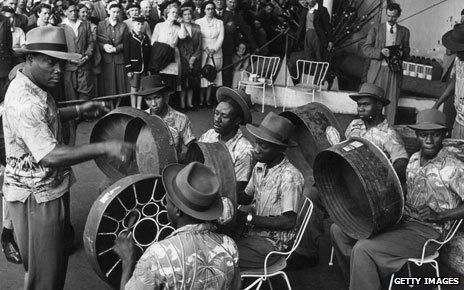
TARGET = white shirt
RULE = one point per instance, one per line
(390, 38)
(73, 25)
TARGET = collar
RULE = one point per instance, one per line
(31, 86)
(315, 7)
(69, 23)
(261, 167)
(193, 228)
(141, 38)
(389, 26)
(108, 22)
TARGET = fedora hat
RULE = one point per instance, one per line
(430, 119)
(371, 90)
(152, 84)
(274, 129)
(194, 189)
(49, 40)
(238, 96)
(454, 39)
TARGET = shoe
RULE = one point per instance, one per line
(10, 248)
(297, 261)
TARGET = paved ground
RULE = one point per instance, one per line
(85, 191)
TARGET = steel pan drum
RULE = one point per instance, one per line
(315, 125)
(135, 203)
(217, 157)
(154, 143)
(359, 187)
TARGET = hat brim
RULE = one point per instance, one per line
(153, 90)
(52, 53)
(260, 134)
(224, 93)
(356, 97)
(427, 127)
(450, 43)
(172, 191)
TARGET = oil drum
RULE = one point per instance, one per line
(135, 203)
(359, 187)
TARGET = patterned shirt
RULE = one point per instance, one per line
(31, 130)
(192, 257)
(438, 184)
(276, 190)
(240, 150)
(458, 73)
(180, 127)
(382, 135)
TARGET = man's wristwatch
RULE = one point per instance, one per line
(249, 218)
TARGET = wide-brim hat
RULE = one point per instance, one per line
(238, 96)
(48, 40)
(153, 84)
(454, 39)
(373, 91)
(274, 129)
(430, 119)
(194, 189)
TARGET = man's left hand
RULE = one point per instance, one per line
(93, 110)
(124, 247)
(427, 214)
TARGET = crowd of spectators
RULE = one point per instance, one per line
(122, 41)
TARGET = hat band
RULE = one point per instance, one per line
(273, 134)
(47, 46)
(188, 203)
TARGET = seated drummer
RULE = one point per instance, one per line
(435, 195)
(233, 110)
(156, 95)
(372, 126)
(275, 191)
(193, 256)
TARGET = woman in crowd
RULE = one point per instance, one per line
(19, 38)
(190, 56)
(110, 35)
(42, 11)
(212, 31)
(168, 32)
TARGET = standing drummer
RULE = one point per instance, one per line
(372, 126)
(156, 92)
(233, 110)
(37, 172)
(435, 196)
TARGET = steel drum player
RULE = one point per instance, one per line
(37, 173)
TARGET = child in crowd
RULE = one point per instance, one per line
(240, 66)
(136, 58)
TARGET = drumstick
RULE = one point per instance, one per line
(104, 98)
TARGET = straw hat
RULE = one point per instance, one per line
(238, 96)
(49, 40)
(371, 90)
(194, 189)
(274, 129)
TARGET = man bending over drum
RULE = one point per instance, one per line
(435, 194)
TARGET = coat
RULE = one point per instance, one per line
(136, 53)
(321, 24)
(82, 44)
(7, 57)
(106, 34)
(375, 41)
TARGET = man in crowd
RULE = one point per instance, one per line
(78, 81)
(376, 49)
(452, 40)
(193, 256)
(234, 25)
(233, 110)
(275, 191)
(372, 126)
(42, 11)
(145, 12)
(37, 173)
(99, 9)
(20, 20)
(435, 195)
(133, 10)
(156, 93)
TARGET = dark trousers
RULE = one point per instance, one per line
(40, 230)
(227, 74)
(78, 84)
(365, 263)
(253, 251)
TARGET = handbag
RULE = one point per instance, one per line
(208, 71)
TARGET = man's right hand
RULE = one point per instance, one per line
(386, 52)
(119, 150)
